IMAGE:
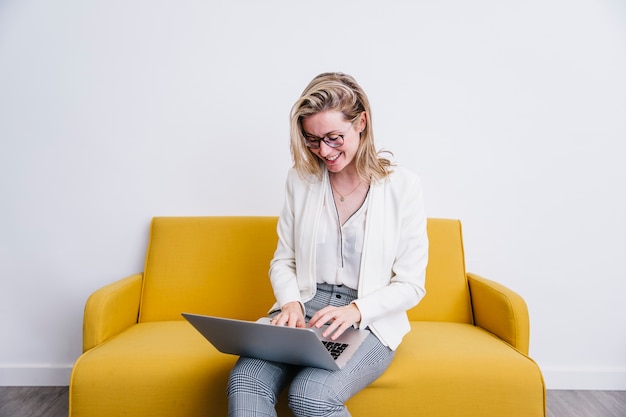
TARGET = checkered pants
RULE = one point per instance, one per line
(254, 384)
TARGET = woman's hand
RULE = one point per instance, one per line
(291, 315)
(340, 319)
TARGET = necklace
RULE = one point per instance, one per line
(342, 197)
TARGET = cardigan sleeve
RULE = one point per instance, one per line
(394, 273)
(283, 265)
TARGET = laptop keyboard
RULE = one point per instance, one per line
(335, 348)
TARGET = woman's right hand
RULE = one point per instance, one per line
(291, 315)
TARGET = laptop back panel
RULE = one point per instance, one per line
(262, 340)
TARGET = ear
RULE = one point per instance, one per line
(362, 122)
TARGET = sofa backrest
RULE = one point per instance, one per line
(219, 266)
(208, 265)
(447, 292)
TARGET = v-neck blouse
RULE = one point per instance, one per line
(339, 248)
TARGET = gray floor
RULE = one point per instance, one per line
(586, 403)
(52, 402)
(33, 401)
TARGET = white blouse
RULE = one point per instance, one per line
(339, 248)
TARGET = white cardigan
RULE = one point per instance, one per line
(394, 257)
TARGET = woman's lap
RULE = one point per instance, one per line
(255, 384)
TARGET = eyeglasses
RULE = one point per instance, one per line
(313, 142)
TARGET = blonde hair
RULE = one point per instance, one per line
(337, 92)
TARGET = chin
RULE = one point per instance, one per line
(335, 168)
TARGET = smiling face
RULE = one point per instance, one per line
(332, 123)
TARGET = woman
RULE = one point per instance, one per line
(352, 252)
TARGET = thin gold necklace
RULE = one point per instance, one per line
(342, 197)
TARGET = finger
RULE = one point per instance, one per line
(330, 329)
(336, 322)
(340, 330)
(282, 319)
(293, 321)
(322, 317)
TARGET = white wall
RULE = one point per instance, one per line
(514, 114)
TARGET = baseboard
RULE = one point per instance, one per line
(555, 378)
(35, 376)
(585, 379)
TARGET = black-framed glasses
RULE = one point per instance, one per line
(313, 142)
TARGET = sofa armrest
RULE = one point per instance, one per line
(500, 311)
(110, 310)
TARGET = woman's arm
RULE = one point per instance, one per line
(399, 283)
(283, 265)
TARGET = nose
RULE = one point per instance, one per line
(325, 150)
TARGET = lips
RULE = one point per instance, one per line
(333, 158)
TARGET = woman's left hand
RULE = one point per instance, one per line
(339, 319)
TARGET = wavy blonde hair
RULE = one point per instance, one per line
(335, 91)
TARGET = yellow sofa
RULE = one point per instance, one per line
(466, 356)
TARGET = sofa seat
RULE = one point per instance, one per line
(433, 374)
(150, 367)
(155, 368)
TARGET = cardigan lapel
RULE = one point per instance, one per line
(312, 210)
(373, 245)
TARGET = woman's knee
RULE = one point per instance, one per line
(313, 392)
(259, 377)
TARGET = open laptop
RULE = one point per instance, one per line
(260, 339)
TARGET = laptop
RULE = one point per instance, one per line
(292, 345)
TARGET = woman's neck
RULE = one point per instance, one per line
(347, 176)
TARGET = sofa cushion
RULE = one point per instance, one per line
(208, 265)
(205, 265)
(157, 369)
(447, 296)
(447, 369)
(453, 369)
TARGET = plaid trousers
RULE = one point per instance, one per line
(254, 384)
